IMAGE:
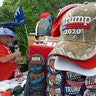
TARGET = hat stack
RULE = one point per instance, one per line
(76, 50)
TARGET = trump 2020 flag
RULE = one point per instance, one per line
(19, 16)
(18, 19)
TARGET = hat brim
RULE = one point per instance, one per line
(83, 54)
(8, 32)
(66, 65)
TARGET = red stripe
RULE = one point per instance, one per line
(78, 26)
(73, 83)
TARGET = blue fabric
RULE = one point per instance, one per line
(73, 90)
(18, 19)
(36, 69)
(26, 88)
(37, 87)
(6, 31)
(37, 80)
(44, 26)
(19, 16)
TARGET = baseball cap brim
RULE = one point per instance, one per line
(72, 53)
(63, 64)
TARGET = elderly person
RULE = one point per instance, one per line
(7, 58)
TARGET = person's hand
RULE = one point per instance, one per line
(18, 61)
(10, 57)
(18, 54)
(18, 57)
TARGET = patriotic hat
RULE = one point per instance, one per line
(78, 36)
(55, 32)
(44, 15)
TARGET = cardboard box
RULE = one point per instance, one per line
(31, 39)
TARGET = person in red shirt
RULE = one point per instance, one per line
(7, 59)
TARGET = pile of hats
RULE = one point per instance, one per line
(76, 50)
(54, 79)
(36, 77)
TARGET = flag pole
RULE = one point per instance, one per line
(26, 35)
(26, 31)
(24, 24)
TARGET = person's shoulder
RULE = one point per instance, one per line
(2, 47)
(1, 44)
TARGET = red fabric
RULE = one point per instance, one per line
(74, 83)
(6, 94)
(45, 50)
(88, 64)
(44, 15)
(39, 49)
(55, 32)
(79, 25)
(6, 69)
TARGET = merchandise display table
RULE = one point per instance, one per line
(12, 83)
(60, 76)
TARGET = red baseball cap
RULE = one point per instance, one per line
(44, 15)
(55, 32)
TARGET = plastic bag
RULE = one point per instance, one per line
(18, 73)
